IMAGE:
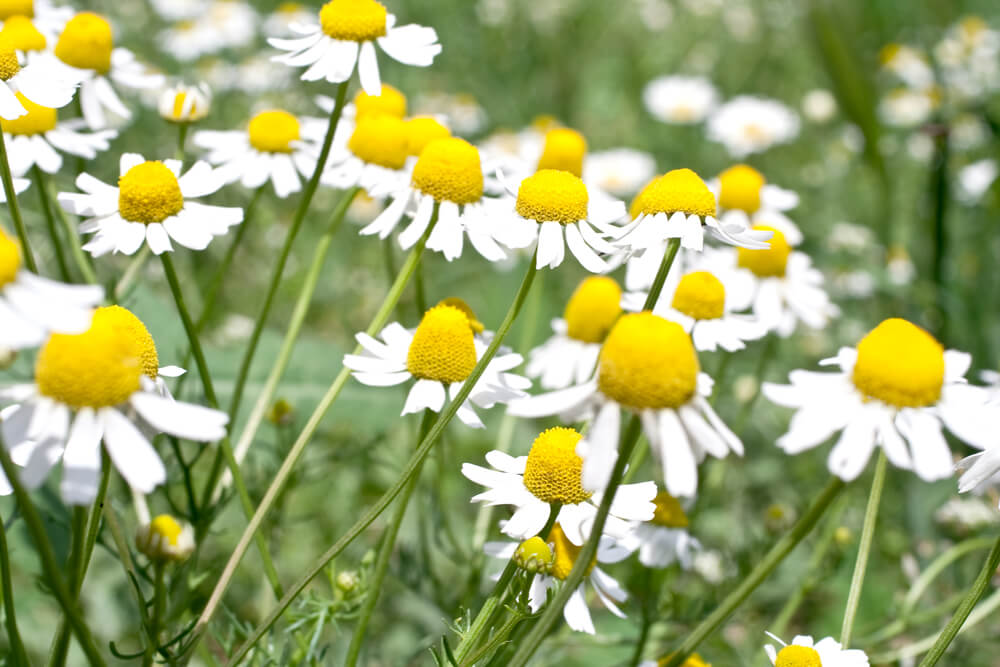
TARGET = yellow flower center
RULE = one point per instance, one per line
(380, 140)
(635, 208)
(888, 53)
(593, 309)
(99, 368)
(10, 8)
(177, 111)
(551, 195)
(693, 660)
(272, 131)
(38, 120)
(86, 43)
(552, 472)
(648, 362)
(455, 302)
(10, 259)
(798, 656)
(534, 555)
(739, 188)
(443, 348)
(353, 20)
(21, 34)
(8, 62)
(564, 149)
(566, 553)
(669, 512)
(166, 527)
(421, 131)
(390, 102)
(449, 170)
(769, 262)
(149, 192)
(678, 190)
(900, 364)
(700, 295)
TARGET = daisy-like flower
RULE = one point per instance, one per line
(904, 107)
(907, 63)
(555, 209)
(375, 157)
(693, 660)
(620, 171)
(748, 124)
(151, 204)
(47, 17)
(440, 355)
(647, 366)
(32, 307)
(183, 103)
(680, 100)
(86, 50)
(975, 179)
(39, 138)
(803, 652)
(448, 174)
(346, 35)
(178, 10)
(165, 539)
(746, 198)
(664, 539)
(38, 81)
(94, 386)
(277, 146)
(895, 390)
(546, 145)
(570, 355)
(280, 21)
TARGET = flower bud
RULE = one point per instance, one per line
(534, 555)
(165, 539)
(185, 104)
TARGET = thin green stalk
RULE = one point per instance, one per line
(50, 222)
(279, 267)
(411, 468)
(131, 272)
(661, 276)
(864, 549)
(759, 574)
(52, 569)
(766, 356)
(979, 588)
(159, 603)
(60, 644)
(182, 132)
(125, 557)
(15, 208)
(80, 258)
(18, 654)
(420, 294)
(384, 553)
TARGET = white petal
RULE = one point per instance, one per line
(184, 420)
(82, 459)
(131, 453)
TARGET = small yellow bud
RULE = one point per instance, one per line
(534, 555)
(164, 539)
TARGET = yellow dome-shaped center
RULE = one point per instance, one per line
(534, 555)
(422, 130)
(86, 43)
(449, 170)
(678, 190)
(769, 262)
(10, 259)
(798, 656)
(700, 295)
(8, 62)
(648, 362)
(593, 309)
(353, 20)
(669, 512)
(149, 192)
(739, 188)
(38, 120)
(566, 553)
(564, 150)
(552, 472)
(693, 660)
(455, 302)
(551, 195)
(635, 209)
(167, 528)
(380, 140)
(12, 8)
(101, 367)
(272, 131)
(21, 34)
(900, 364)
(443, 348)
(390, 101)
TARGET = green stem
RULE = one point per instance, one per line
(770, 345)
(864, 549)
(131, 271)
(18, 654)
(50, 222)
(411, 468)
(182, 132)
(52, 569)
(496, 640)
(159, 602)
(60, 644)
(125, 557)
(384, 553)
(15, 208)
(279, 267)
(80, 258)
(661, 276)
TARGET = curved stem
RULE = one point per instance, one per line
(18, 654)
(50, 223)
(15, 208)
(864, 549)
(159, 602)
(661, 275)
(80, 258)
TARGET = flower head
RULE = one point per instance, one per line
(185, 104)
(165, 539)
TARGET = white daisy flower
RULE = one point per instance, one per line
(276, 146)
(620, 171)
(819, 105)
(909, 64)
(32, 307)
(447, 174)
(664, 539)
(46, 17)
(32, 37)
(39, 138)
(545, 145)
(375, 158)
(975, 179)
(94, 386)
(748, 124)
(895, 390)
(35, 80)
(746, 199)
(462, 110)
(570, 356)
(802, 652)
(226, 24)
(279, 22)
(179, 10)
(183, 103)
(151, 203)
(681, 100)
(648, 366)
(439, 354)
(346, 35)
(904, 107)
(86, 50)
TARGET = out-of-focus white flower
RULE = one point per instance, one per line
(183, 103)
(920, 146)
(966, 514)
(620, 171)
(850, 237)
(681, 100)
(740, 21)
(279, 22)
(819, 105)
(748, 124)
(709, 565)
(975, 179)
(655, 14)
(909, 64)
(900, 266)
(39, 138)
(905, 107)
(969, 58)
(968, 131)
(465, 115)
(178, 10)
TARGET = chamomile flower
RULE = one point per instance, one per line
(748, 124)
(279, 22)
(48, 17)
(664, 539)
(39, 81)
(905, 107)
(346, 35)
(32, 307)
(165, 539)
(909, 64)
(746, 198)
(803, 652)
(39, 138)
(570, 355)
(447, 174)
(277, 147)
(183, 103)
(895, 390)
(680, 100)
(693, 660)
(620, 171)
(545, 145)
(151, 204)
(647, 366)
(178, 10)
(550, 473)
(86, 49)
(30, 37)
(375, 157)
(94, 386)
(440, 355)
